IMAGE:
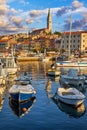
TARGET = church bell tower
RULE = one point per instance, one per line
(49, 21)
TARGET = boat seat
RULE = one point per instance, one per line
(68, 93)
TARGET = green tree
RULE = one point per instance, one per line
(57, 33)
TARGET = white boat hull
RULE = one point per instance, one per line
(73, 81)
(72, 78)
(70, 96)
(74, 102)
(71, 64)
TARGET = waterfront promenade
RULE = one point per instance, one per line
(20, 59)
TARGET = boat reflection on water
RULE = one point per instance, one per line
(20, 109)
(54, 78)
(71, 111)
(1, 102)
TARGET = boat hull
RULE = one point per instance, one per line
(73, 102)
(21, 97)
(53, 73)
(73, 81)
(71, 64)
(70, 96)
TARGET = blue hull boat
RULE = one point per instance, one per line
(22, 92)
(21, 96)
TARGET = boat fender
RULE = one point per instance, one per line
(24, 109)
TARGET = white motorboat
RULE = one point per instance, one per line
(70, 110)
(72, 78)
(75, 112)
(71, 63)
(10, 65)
(70, 96)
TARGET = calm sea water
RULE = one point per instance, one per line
(45, 113)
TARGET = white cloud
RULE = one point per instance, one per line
(77, 4)
(29, 21)
(13, 19)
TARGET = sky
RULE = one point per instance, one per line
(22, 16)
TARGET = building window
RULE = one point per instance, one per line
(74, 46)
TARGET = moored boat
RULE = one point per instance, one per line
(73, 78)
(21, 92)
(70, 96)
(71, 63)
(71, 111)
(10, 65)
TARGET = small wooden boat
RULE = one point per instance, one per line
(20, 109)
(70, 96)
(21, 92)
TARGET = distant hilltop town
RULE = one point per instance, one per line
(37, 40)
(43, 38)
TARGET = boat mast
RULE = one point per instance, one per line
(70, 37)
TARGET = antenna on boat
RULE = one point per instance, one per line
(70, 36)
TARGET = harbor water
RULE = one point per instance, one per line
(44, 113)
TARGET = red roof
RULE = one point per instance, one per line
(3, 40)
(78, 32)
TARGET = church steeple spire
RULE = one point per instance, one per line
(49, 21)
